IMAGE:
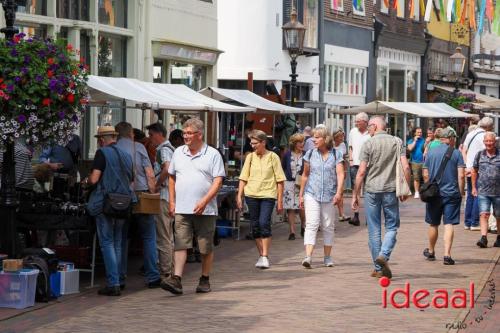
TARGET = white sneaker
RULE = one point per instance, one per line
(328, 261)
(417, 195)
(466, 227)
(307, 262)
(476, 228)
(265, 263)
(259, 262)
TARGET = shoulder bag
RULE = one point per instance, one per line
(147, 203)
(429, 191)
(118, 205)
(402, 187)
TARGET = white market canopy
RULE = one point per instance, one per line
(165, 96)
(428, 110)
(246, 97)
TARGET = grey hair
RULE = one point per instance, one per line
(380, 121)
(195, 124)
(492, 134)
(486, 123)
(361, 116)
(258, 135)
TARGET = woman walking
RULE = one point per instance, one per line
(292, 165)
(321, 189)
(261, 182)
(340, 146)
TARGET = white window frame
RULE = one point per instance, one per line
(339, 8)
(342, 80)
(359, 12)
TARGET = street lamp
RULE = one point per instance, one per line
(294, 33)
(8, 196)
(457, 66)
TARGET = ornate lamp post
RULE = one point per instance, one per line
(8, 196)
(293, 33)
(457, 66)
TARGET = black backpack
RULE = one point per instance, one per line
(43, 292)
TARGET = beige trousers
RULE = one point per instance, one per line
(165, 240)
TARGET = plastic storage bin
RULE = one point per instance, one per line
(55, 284)
(70, 282)
(224, 229)
(17, 290)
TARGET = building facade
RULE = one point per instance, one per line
(486, 64)
(130, 38)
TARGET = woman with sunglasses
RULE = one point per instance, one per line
(261, 182)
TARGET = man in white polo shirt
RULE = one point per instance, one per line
(357, 136)
(196, 174)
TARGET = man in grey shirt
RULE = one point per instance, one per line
(378, 164)
(196, 173)
(144, 181)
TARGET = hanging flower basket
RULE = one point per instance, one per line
(43, 90)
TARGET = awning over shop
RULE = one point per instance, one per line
(248, 98)
(164, 96)
(427, 110)
(480, 98)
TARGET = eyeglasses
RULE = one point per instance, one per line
(255, 143)
(369, 125)
(189, 133)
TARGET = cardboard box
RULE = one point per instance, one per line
(12, 265)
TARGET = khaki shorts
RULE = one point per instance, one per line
(201, 226)
(416, 170)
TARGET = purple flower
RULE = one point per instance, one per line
(21, 118)
(38, 78)
(17, 79)
(53, 67)
(14, 53)
(24, 70)
(10, 88)
(61, 114)
(21, 35)
(53, 84)
(27, 59)
(75, 118)
(42, 53)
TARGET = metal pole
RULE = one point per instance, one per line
(8, 195)
(242, 158)
(293, 82)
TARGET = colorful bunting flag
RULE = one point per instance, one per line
(449, 10)
(428, 8)
(496, 22)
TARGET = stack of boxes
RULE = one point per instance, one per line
(66, 280)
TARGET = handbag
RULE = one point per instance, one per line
(429, 191)
(402, 187)
(118, 205)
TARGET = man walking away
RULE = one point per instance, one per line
(472, 145)
(196, 173)
(381, 153)
(451, 189)
(486, 185)
(357, 137)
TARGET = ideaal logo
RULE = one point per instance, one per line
(423, 298)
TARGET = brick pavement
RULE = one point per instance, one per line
(285, 298)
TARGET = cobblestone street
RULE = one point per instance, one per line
(287, 297)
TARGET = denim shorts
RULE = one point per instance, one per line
(485, 203)
(446, 207)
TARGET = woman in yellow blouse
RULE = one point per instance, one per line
(261, 182)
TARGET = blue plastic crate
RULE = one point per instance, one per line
(222, 228)
(55, 284)
(17, 290)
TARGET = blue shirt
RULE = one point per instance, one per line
(140, 161)
(322, 181)
(417, 154)
(194, 175)
(58, 154)
(448, 185)
(488, 168)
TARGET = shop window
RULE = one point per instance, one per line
(358, 7)
(396, 85)
(37, 7)
(112, 58)
(411, 86)
(73, 9)
(482, 90)
(384, 6)
(33, 31)
(113, 12)
(158, 76)
(346, 80)
(382, 87)
(85, 47)
(337, 5)
(193, 76)
(401, 8)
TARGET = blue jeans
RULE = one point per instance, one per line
(471, 207)
(375, 203)
(147, 227)
(260, 211)
(109, 231)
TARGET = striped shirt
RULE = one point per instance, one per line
(380, 153)
(24, 171)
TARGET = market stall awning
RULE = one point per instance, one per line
(427, 110)
(248, 98)
(164, 96)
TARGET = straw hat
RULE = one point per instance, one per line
(105, 130)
